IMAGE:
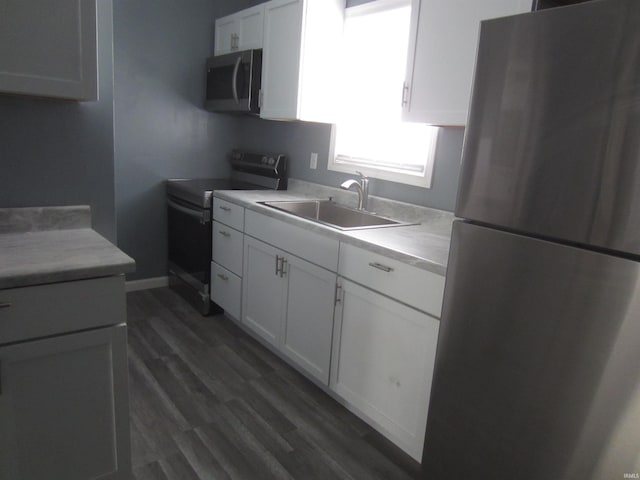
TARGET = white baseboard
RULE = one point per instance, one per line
(146, 283)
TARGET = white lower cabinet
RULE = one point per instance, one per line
(289, 303)
(63, 407)
(226, 290)
(263, 300)
(382, 363)
(308, 326)
(369, 334)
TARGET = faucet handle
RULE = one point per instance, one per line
(362, 175)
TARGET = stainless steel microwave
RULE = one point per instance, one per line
(234, 81)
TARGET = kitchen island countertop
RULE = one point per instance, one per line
(34, 250)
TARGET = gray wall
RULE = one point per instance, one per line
(298, 140)
(55, 152)
(161, 131)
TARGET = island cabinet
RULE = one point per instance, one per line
(385, 336)
(302, 41)
(288, 301)
(63, 381)
(49, 49)
(443, 40)
(239, 31)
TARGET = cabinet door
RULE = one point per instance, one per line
(49, 48)
(281, 58)
(64, 409)
(308, 327)
(250, 28)
(224, 38)
(382, 363)
(442, 49)
(263, 299)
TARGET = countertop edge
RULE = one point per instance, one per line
(53, 256)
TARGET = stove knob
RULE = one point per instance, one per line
(264, 160)
(271, 160)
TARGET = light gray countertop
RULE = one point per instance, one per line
(31, 254)
(425, 245)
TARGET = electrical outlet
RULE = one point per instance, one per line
(313, 162)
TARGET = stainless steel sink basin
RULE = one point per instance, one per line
(330, 213)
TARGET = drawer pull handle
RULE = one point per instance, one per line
(222, 276)
(5, 304)
(224, 233)
(226, 209)
(380, 266)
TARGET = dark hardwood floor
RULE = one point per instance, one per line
(209, 402)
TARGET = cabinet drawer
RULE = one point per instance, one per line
(226, 290)
(415, 287)
(227, 247)
(228, 213)
(311, 246)
(32, 312)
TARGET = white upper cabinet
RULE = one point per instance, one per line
(48, 49)
(442, 49)
(302, 39)
(239, 31)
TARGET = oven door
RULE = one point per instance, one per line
(233, 82)
(190, 245)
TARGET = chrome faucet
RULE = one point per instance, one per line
(362, 188)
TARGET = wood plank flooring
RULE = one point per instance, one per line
(209, 402)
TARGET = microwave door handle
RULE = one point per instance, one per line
(234, 81)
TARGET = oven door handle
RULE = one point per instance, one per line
(198, 214)
(234, 80)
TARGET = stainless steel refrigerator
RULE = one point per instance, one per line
(537, 370)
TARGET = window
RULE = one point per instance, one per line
(369, 135)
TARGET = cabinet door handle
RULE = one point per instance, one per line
(226, 209)
(405, 94)
(380, 266)
(283, 264)
(224, 233)
(278, 265)
(222, 276)
(338, 294)
(5, 304)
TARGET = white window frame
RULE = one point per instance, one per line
(346, 164)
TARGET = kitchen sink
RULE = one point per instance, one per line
(330, 213)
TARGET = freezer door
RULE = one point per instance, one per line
(552, 145)
(537, 373)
